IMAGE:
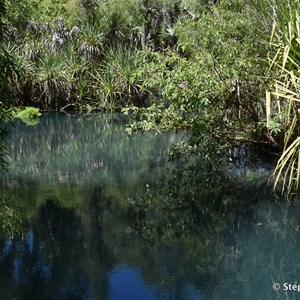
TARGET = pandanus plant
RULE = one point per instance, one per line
(124, 64)
(21, 78)
(107, 87)
(51, 80)
(92, 43)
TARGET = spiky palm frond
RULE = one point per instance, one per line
(75, 62)
(33, 50)
(21, 64)
(108, 87)
(92, 43)
(52, 66)
(124, 64)
(52, 79)
(20, 78)
(82, 89)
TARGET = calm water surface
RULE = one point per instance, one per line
(104, 215)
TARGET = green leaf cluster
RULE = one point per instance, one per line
(213, 82)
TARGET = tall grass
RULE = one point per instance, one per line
(283, 97)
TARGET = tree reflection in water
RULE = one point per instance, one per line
(139, 226)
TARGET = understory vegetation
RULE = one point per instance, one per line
(222, 70)
(6, 67)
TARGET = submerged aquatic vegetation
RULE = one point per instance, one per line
(28, 115)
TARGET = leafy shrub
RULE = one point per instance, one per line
(214, 82)
(7, 69)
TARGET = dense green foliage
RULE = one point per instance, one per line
(182, 57)
(6, 67)
(212, 84)
(8, 219)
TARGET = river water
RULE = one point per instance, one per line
(97, 214)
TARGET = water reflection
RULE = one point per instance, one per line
(138, 227)
(127, 284)
(72, 148)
